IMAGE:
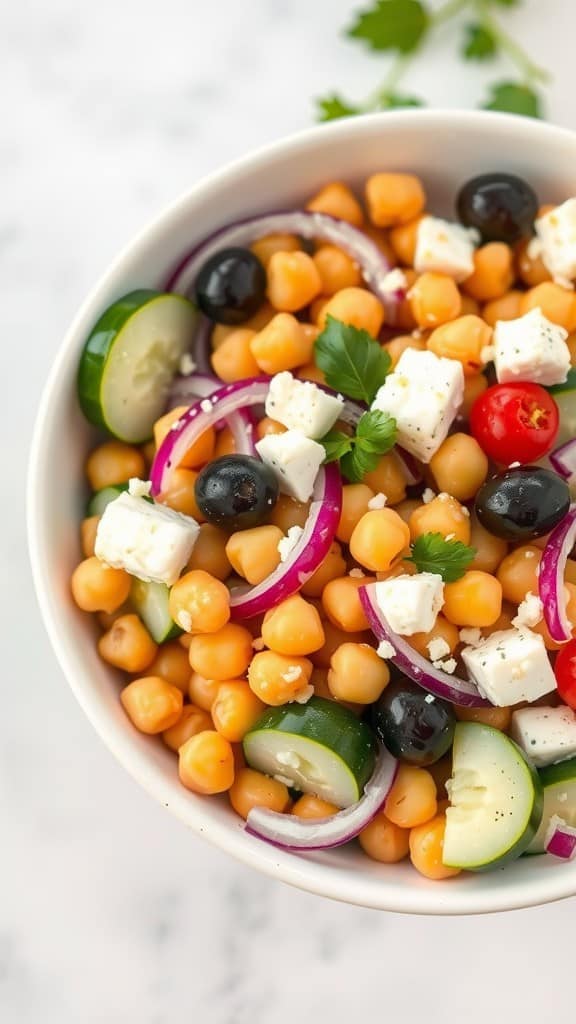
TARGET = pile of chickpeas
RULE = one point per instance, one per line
(202, 692)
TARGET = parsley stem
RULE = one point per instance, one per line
(398, 68)
(448, 11)
(529, 69)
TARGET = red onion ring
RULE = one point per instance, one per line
(289, 832)
(551, 579)
(202, 344)
(563, 459)
(560, 839)
(186, 390)
(413, 665)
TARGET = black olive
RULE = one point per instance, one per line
(231, 286)
(412, 724)
(522, 504)
(500, 206)
(236, 492)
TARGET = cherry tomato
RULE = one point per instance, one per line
(565, 671)
(515, 422)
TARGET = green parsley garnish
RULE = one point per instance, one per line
(352, 361)
(404, 27)
(448, 558)
(375, 435)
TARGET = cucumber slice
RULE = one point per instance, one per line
(559, 782)
(129, 360)
(319, 747)
(150, 602)
(496, 800)
(565, 397)
(102, 498)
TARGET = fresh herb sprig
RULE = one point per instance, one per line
(352, 361)
(404, 27)
(358, 454)
(432, 552)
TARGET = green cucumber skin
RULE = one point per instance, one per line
(563, 773)
(328, 724)
(568, 385)
(97, 348)
(94, 505)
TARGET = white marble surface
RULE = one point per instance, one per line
(109, 910)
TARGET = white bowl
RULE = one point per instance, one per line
(445, 148)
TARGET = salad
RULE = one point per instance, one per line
(329, 537)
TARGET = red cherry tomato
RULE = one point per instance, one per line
(515, 422)
(565, 671)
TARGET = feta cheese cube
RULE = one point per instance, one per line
(445, 247)
(301, 405)
(295, 460)
(149, 541)
(531, 348)
(423, 394)
(510, 666)
(410, 604)
(546, 735)
(556, 232)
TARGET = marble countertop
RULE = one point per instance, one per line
(110, 911)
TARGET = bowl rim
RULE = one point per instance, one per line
(308, 875)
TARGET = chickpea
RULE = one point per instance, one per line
(206, 763)
(441, 630)
(334, 639)
(293, 281)
(394, 198)
(209, 552)
(530, 269)
(253, 789)
(498, 718)
(379, 539)
(199, 453)
(426, 848)
(148, 453)
(288, 512)
(398, 345)
(267, 426)
(557, 304)
(311, 371)
(152, 704)
(113, 463)
(507, 307)
(355, 498)
(473, 388)
(464, 340)
(233, 360)
(309, 806)
(337, 200)
(225, 445)
(281, 345)
(357, 674)
(265, 248)
(380, 238)
(355, 306)
(180, 494)
(493, 272)
(518, 573)
(403, 315)
(254, 553)
(235, 710)
(435, 300)
(469, 306)
(223, 654)
(88, 528)
(97, 587)
(459, 466)
(407, 507)
(127, 645)
(199, 603)
(192, 721)
(293, 627)
(490, 550)
(277, 678)
(412, 799)
(441, 771)
(473, 600)
(332, 566)
(403, 239)
(388, 479)
(203, 692)
(171, 663)
(256, 322)
(383, 841)
(341, 603)
(445, 515)
(337, 270)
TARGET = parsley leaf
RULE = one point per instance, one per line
(330, 108)
(514, 98)
(480, 44)
(351, 360)
(392, 25)
(375, 435)
(396, 100)
(449, 558)
(376, 432)
(336, 445)
(506, 3)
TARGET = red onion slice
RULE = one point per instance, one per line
(292, 833)
(410, 467)
(560, 839)
(186, 390)
(413, 665)
(551, 579)
(305, 224)
(563, 460)
(202, 344)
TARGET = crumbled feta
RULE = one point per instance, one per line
(301, 405)
(356, 574)
(445, 248)
(292, 673)
(510, 666)
(530, 611)
(514, 465)
(385, 650)
(394, 281)
(487, 353)
(556, 232)
(423, 394)
(258, 644)
(471, 636)
(448, 666)
(295, 460)
(410, 604)
(546, 735)
(303, 695)
(187, 364)
(287, 544)
(531, 348)
(428, 495)
(149, 541)
(429, 698)
(184, 620)
(206, 405)
(438, 648)
(378, 501)
(139, 488)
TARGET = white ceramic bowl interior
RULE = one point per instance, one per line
(444, 148)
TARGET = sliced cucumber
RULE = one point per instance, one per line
(150, 601)
(559, 782)
(319, 747)
(565, 397)
(496, 800)
(102, 498)
(129, 360)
